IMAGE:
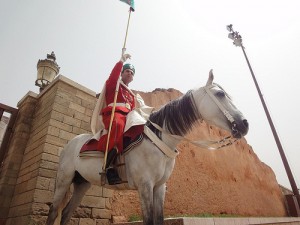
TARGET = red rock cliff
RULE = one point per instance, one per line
(228, 181)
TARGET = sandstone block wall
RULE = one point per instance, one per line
(46, 123)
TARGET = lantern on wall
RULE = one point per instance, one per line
(47, 70)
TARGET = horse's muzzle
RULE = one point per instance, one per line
(238, 130)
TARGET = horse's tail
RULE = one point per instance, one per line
(61, 206)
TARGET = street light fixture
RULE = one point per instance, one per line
(235, 36)
(237, 41)
(47, 70)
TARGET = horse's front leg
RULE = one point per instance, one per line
(158, 204)
(145, 190)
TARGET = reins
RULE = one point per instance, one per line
(203, 144)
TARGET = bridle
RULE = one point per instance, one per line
(218, 103)
(211, 145)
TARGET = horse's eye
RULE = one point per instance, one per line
(220, 94)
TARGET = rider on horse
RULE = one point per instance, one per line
(124, 104)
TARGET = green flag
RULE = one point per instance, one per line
(131, 3)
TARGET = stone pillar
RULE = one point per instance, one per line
(14, 156)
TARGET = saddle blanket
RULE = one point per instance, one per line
(100, 154)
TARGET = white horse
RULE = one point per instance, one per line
(147, 167)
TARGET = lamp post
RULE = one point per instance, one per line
(47, 69)
(237, 41)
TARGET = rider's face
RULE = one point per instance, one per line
(127, 76)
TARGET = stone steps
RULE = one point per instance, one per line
(228, 221)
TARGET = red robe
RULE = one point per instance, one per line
(125, 104)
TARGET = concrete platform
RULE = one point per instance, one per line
(228, 221)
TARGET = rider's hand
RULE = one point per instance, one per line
(123, 51)
(124, 56)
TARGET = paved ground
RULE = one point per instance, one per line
(229, 221)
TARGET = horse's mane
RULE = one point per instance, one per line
(177, 116)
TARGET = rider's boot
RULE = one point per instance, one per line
(111, 173)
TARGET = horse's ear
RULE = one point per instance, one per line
(210, 78)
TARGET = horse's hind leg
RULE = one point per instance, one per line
(158, 204)
(62, 187)
(80, 188)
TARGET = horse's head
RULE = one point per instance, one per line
(216, 107)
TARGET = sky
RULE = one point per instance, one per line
(173, 44)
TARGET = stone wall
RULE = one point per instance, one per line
(46, 122)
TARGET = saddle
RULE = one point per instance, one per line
(89, 149)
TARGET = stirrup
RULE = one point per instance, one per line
(113, 176)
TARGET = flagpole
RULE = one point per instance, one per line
(115, 100)
(111, 121)
(124, 46)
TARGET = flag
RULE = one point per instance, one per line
(131, 3)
